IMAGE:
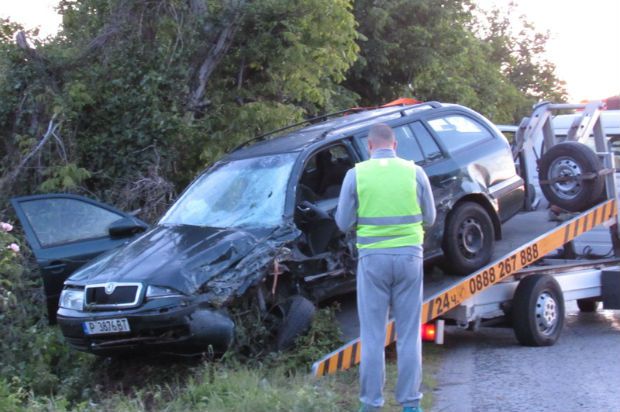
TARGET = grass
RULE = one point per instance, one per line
(171, 385)
(346, 383)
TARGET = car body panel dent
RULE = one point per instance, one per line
(191, 259)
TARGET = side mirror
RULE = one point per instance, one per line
(126, 226)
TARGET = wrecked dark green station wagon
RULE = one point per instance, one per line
(257, 227)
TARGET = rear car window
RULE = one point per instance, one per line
(457, 132)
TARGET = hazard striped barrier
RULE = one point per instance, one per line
(348, 355)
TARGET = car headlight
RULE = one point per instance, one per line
(160, 292)
(72, 299)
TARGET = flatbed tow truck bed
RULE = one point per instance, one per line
(521, 229)
(494, 290)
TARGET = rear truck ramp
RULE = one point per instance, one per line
(498, 287)
(500, 270)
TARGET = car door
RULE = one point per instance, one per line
(416, 143)
(66, 231)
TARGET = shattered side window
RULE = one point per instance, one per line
(248, 192)
(59, 221)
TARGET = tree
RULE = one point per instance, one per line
(139, 95)
(436, 50)
(520, 52)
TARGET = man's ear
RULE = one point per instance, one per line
(395, 144)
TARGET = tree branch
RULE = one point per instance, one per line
(51, 131)
(215, 55)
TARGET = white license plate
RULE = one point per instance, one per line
(98, 327)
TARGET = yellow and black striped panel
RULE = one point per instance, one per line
(348, 355)
(511, 263)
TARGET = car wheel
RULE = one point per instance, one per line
(538, 311)
(468, 238)
(298, 314)
(571, 160)
(587, 305)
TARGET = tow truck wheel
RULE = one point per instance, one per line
(538, 311)
(571, 161)
(298, 314)
(468, 238)
(587, 305)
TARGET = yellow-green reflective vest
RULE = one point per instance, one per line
(388, 213)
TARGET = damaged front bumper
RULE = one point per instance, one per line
(174, 324)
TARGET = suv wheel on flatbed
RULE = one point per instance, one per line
(538, 311)
(571, 160)
(468, 238)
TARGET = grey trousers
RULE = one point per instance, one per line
(385, 280)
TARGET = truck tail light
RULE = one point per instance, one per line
(433, 332)
(428, 332)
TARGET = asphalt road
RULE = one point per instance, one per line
(489, 371)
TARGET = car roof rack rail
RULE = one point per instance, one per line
(291, 126)
(400, 108)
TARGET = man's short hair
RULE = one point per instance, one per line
(381, 134)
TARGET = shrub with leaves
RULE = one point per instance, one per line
(10, 268)
(34, 357)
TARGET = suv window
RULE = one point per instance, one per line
(429, 147)
(457, 131)
(407, 148)
(417, 144)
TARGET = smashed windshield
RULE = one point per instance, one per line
(248, 192)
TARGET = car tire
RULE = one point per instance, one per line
(538, 311)
(571, 159)
(469, 238)
(587, 305)
(298, 315)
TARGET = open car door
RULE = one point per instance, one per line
(65, 231)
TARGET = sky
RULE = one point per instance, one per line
(584, 43)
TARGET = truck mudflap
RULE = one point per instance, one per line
(497, 271)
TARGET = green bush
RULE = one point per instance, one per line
(35, 357)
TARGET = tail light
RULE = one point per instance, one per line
(429, 331)
(433, 332)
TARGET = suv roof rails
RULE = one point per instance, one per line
(290, 126)
(401, 108)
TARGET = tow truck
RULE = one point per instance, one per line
(536, 267)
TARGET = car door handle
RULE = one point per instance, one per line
(447, 181)
(56, 267)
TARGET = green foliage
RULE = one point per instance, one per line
(445, 51)
(61, 178)
(10, 397)
(35, 357)
(519, 50)
(324, 335)
(121, 85)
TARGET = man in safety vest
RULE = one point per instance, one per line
(388, 199)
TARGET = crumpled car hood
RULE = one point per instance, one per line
(191, 259)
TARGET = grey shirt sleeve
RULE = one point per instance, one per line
(346, 213)
(425, 197)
